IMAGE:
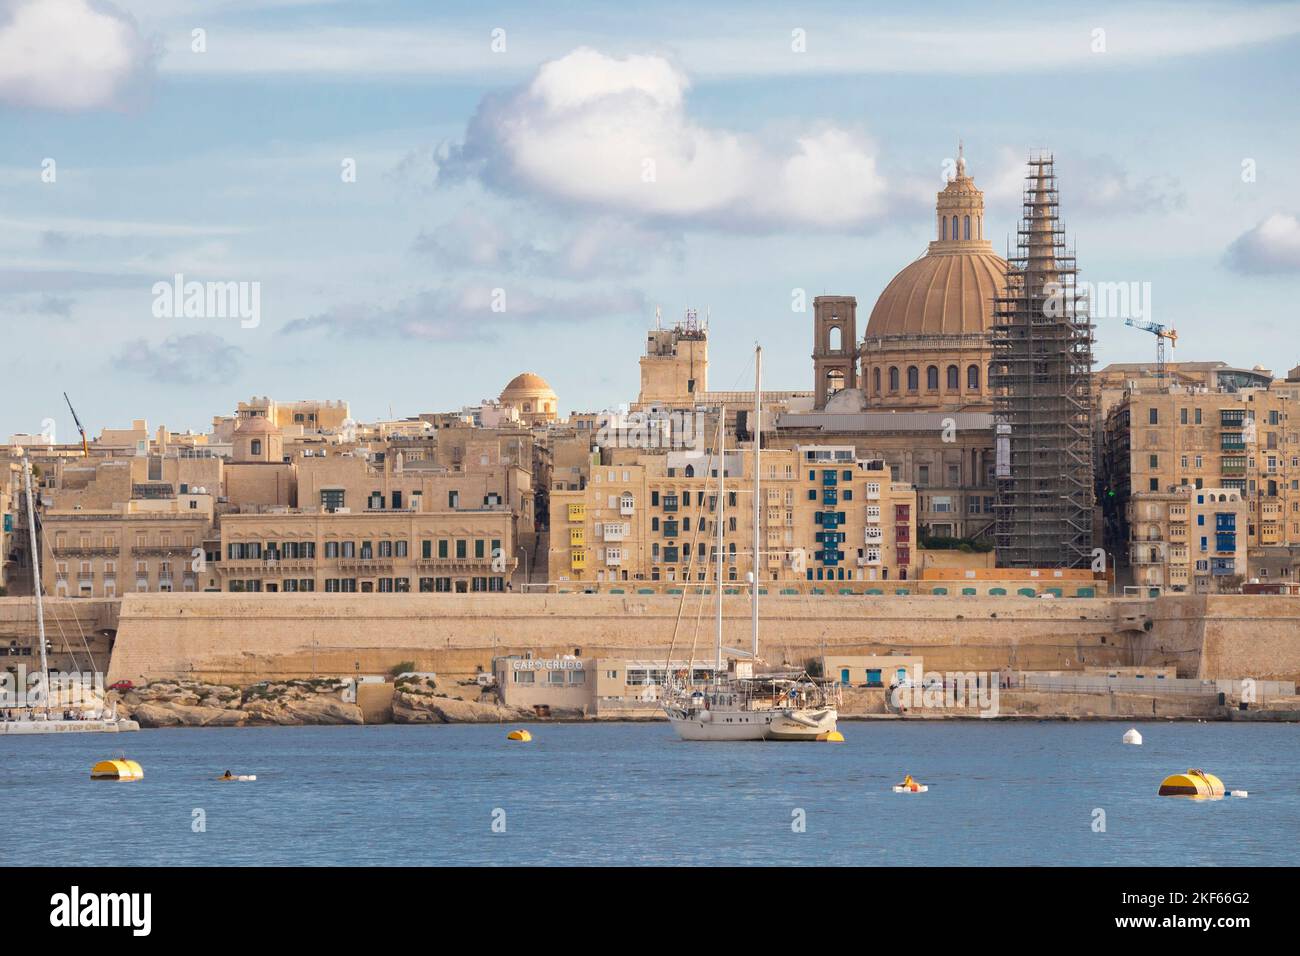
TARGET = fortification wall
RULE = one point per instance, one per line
(244, 638)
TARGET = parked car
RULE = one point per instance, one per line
(122, 685)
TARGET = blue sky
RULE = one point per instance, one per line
(603, 163)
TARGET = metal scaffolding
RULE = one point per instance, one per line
(1042, 370)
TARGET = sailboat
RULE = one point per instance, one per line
(38, 716)
(743, 705)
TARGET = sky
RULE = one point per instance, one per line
(417, 201)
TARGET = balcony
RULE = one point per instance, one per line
(578, 512)
(615, 532)
(626, 506)
(874, 535)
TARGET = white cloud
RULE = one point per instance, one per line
(69, 54)
(1091, 183)
(497, 241)
(1272, 246)
(614, 134)
(737, 40)
(469, 313)
(197, 359)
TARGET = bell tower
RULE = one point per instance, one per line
(835, 345)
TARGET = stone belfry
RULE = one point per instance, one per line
(835, 345)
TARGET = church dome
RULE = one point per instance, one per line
(527, 382)
(950, 290)
(942, 293)
(533, 397)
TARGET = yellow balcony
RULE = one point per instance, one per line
(577, 560)
(578, 512)
(577, 537)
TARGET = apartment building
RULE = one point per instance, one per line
(1188, 539)
(1245, 440)
(826, 516)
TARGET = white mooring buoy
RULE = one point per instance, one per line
(1133, 737)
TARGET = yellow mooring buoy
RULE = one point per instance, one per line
(831, 737)
(519, 735)
(1193, 783)
(117, 770)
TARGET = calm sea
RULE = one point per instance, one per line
(1000, 793)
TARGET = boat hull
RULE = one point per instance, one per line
(806, 724)
(777, 724)
(720, 725)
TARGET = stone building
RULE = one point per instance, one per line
(1245, 440)
(1188, 539)
(826, 517)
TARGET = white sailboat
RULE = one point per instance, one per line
(743, 705)
(40, 716)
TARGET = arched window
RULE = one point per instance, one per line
(953, 378)
(690, 471)
(875, 374)
(966, 227)
(834, 381)
(943, 222)
(893, 378)
(932, 378)
(834, 339)
(954, 227)
(973, 378)
(913, 378)
(979, 226)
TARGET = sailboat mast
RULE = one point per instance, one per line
(722, 491)
(757, 433)
(36, 581)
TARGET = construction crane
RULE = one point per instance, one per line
(1161, 333)
(85, 448)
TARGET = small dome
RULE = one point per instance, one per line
(256, 425)
(847, 401)
(527, 382)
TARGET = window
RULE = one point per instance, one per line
(913, 378)
(932, 378)
(966, 227)
(954, 378)
(893, 378)
(973, 378)
(256, 446)
(1153, 416)
(331, 499)
(875, 378)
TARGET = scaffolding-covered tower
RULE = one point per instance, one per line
(1042, 370)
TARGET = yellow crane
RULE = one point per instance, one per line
(85, 448)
